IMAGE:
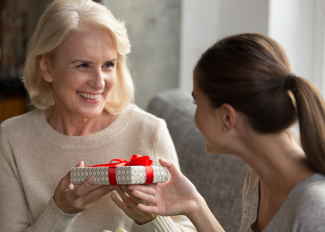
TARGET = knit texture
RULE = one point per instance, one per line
(302, 210)
(34, 158)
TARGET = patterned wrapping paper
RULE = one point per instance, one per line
(124, 175)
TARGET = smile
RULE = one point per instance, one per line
(90, 96)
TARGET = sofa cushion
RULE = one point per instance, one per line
(218, 178)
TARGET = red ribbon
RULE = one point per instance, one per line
(136, 160)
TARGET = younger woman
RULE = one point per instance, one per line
(247, 98)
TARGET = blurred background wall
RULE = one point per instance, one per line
(167, 37)
(154, 31)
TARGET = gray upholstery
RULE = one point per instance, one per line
(218, 178)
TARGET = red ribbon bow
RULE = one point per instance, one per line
(136, 160)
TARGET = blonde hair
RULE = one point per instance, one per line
(59, 22)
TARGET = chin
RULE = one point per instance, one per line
(91, 113)
(208, 149)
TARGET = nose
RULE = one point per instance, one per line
(97, 80)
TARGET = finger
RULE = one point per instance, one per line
(129, 193)
(95, 194)
(71, 186)
(148, 209)
(65, 181)
(148, 189)
(121, 204)
(123, 187)
(126, 199)
(83, 188)
(174, 172)
(80, 164)
(134, 198)
(145, 197)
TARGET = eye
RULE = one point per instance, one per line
(194, 102)
(83, 66)
(109, 65)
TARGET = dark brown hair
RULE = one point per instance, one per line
(248, 72)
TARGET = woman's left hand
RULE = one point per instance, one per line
(129, 205)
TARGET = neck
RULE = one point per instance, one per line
(277, 159)
(75, 125)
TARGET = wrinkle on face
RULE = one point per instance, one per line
(69, 78)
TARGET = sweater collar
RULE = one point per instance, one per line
(81, 142)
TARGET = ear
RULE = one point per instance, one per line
(44, 65)
(228, 116)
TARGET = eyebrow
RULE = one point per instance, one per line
(89, 62)
(193, 95)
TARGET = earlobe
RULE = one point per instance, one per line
(228, 116)
(44, 66)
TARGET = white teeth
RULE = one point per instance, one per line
(90, 96)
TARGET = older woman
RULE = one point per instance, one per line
(77, 77)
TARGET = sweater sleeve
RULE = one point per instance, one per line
(14, 207)
(164, 148)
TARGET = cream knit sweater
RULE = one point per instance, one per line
(34, 157)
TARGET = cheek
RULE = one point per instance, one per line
(64, 81)
(197, 120)
(110, 82)
(204, 122)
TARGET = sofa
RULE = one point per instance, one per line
(218, 178)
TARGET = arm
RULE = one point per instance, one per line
(178, 196)
(307, 209)
(15, 210)
(165, 149)
(177, 222)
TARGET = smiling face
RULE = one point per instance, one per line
(83, 75)
(209, 121)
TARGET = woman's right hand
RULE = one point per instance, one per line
(74, 201)
(178, 196)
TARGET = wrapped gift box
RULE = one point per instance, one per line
(124, 175)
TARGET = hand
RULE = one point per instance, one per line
(129, 205)
(74, 201)
(178, 196)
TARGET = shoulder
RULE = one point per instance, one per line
(311, 192)
(309, 204)
(145, 119)
(19, 125)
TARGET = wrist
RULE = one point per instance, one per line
(146, 221)
(198, 205)
(202, 218)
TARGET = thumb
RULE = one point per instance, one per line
(80, 164)
(65, 181)
(174, 172)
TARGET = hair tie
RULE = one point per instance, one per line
(287, 80)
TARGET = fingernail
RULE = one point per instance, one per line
(78, 164)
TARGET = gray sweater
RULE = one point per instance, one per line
(302, 210)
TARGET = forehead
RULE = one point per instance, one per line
(91, 45)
